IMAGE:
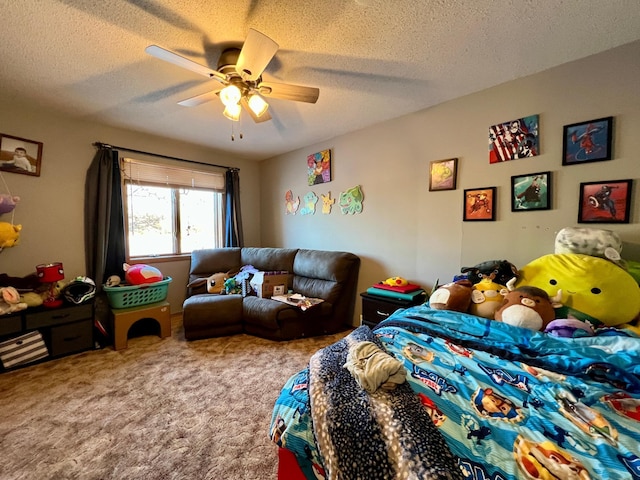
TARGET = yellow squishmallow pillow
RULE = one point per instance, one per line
(591, 288)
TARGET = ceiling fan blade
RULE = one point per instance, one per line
(200, 99)
(265, 117)
(179, 60)
(256, 53)
(285, 91)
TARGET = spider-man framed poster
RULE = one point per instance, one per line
(586, 142)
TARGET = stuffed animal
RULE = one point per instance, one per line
(10, 301)
(396, 282)
(454, 296)
(486, 297)
(9, 234)
(140, 273)
(589, 288)
(7, 203)
(502, 271)
(215, 283)
(589, 241)
(526, 307)
(569, 328)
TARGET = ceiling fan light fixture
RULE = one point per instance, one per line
(257, 105)
(232, 112)
(230, 95)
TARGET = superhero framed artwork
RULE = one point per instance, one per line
(531, 192)
(479, 204)
(586, 142)
(605, 201)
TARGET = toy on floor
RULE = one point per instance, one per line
(526, 307)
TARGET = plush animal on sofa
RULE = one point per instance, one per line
(526, 307)
(589, 288)
(215, 283)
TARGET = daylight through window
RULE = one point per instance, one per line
(170, 210)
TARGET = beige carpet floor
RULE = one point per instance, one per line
(160, 409)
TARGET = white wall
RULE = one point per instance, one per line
(406, 230)
(51, 209)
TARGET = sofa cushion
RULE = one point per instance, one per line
(206, 262)
(210, 315)
(266, 312)
(269, 259)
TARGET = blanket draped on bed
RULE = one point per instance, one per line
(379, 435)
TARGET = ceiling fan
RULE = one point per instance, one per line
(239, 72)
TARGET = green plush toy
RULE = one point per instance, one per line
(589, 288)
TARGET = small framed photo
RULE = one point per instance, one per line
(531, 192)
(19, 155)
(278, 289)
(605, 202)
(586, 142)
(442, 174)
(479, 204)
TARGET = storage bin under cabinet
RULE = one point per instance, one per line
(65, 330)
(376, 308)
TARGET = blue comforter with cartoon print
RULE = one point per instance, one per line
(513, 403)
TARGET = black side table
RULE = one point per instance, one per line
(376, 308)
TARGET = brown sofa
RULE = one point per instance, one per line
(332, 276)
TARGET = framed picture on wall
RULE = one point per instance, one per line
(319, 167)
(479, 204)
(605, 202)
(586, 142)
(514, 139)
(531, 192)
(19, 155)
(442, 174)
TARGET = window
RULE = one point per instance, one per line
(171, 211)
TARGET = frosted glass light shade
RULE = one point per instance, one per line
(232, 112)
(258, 105)
(230, 95)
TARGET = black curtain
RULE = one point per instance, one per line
(104, 217)
(233, 236)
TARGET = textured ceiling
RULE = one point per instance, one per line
(371, 59)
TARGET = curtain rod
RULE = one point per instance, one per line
(113, 147)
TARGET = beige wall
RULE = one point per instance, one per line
(51, 209)
(406, 230)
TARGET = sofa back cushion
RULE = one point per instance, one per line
(268, 259)
(324, 274)
(206, 262)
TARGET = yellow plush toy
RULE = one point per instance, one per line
(588, 287)
(396, 282)
(9, 234)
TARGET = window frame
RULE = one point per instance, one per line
(175, 188)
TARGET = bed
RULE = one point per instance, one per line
(502, 402)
